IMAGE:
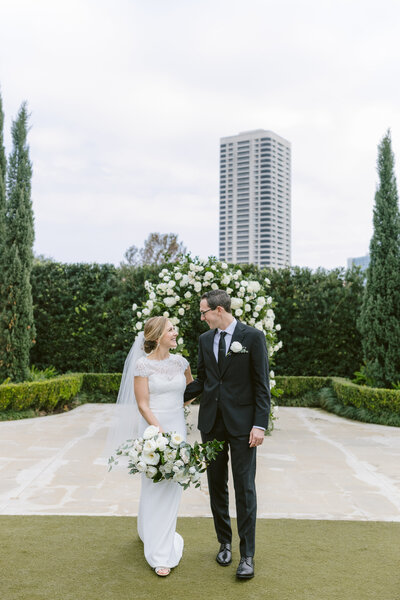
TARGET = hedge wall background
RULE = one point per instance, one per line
(83, 313)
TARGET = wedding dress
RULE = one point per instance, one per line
(159, 502)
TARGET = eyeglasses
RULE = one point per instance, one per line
(203, 312)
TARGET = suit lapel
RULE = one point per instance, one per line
(237, 336)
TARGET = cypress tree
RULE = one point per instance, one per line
(17, 315)
(379, 321)
(3, 260)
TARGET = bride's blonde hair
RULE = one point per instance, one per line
(153, 331)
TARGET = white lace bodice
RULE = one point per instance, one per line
(167, 381)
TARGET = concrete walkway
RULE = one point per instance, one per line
(314, 466)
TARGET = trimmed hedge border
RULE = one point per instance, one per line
(335, 394)
(342, 397)
(40, 395)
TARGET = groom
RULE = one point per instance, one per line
(232, 375)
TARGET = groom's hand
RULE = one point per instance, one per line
(256, 437)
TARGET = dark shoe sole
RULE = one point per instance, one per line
(244, 576)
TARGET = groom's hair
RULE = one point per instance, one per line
(217, 298)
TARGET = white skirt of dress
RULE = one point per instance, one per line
(158, 509)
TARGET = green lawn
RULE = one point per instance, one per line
(101, 558)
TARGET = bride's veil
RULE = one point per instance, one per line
(126, 415)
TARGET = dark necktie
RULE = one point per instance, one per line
(221, 349)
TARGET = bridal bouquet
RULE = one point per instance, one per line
(167, 456)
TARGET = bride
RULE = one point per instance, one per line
(151, 393)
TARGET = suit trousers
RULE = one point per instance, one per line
(243, 460)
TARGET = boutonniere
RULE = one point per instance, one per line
(237, 348)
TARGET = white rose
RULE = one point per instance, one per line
(208, 275)
(134, 306)
(138, 314)
(178, 275)
(150, 303)
(261, 300)
(176, 439)
(161, 443)
(188, 295)
(236, 347)
(278, 327)
(168, 467)
(180, 341)
(255, 314)
(181, 311)
(151, 458)
(139, 326)
(259, 325)
(166, 277)
(225, 279)
(272, 384)
(267, 281)
(242, 290)
(238, 312)
(151, 471)
(184, 280)
(171, 283)
(247, 307)
(152, 296)
(214, 286)
(149, 446)
(229, 290)
(146, 311)
(270, 313)
(224, 266)
(150, 432)
(178, 466)
(269, 323)
(254, 286)
(197, 286)
(272, 374)
(174, 320)
(166, 314)
(192, 470)
(252, 321)
(236, 303)
(269, 300)
(141, 466)
(169, 301)
(237, 284)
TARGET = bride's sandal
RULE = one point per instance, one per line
(162, 571)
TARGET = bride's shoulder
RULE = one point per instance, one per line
(141, 368)
(181, 360)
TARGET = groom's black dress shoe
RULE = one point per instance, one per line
(245, 569)
(224, 556)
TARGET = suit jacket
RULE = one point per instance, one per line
(240, 389)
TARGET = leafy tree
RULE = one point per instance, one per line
(380, 315)
(158, 249)
(16, 323)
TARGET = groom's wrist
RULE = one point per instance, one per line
(259, 427)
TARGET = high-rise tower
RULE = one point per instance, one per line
(255, 199)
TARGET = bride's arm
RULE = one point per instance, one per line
(141, 387)
(189, 379)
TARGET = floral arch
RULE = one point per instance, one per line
(177, 296)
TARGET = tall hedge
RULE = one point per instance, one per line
(83, 317)
(83, 314)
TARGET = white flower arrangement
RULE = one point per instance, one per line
(179, 289)
(163, 456)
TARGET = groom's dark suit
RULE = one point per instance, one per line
(235, 397)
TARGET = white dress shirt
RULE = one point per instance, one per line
(228, 338)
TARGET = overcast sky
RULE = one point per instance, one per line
(128, 100)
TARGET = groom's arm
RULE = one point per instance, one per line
(195, 388)
(260, 378)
